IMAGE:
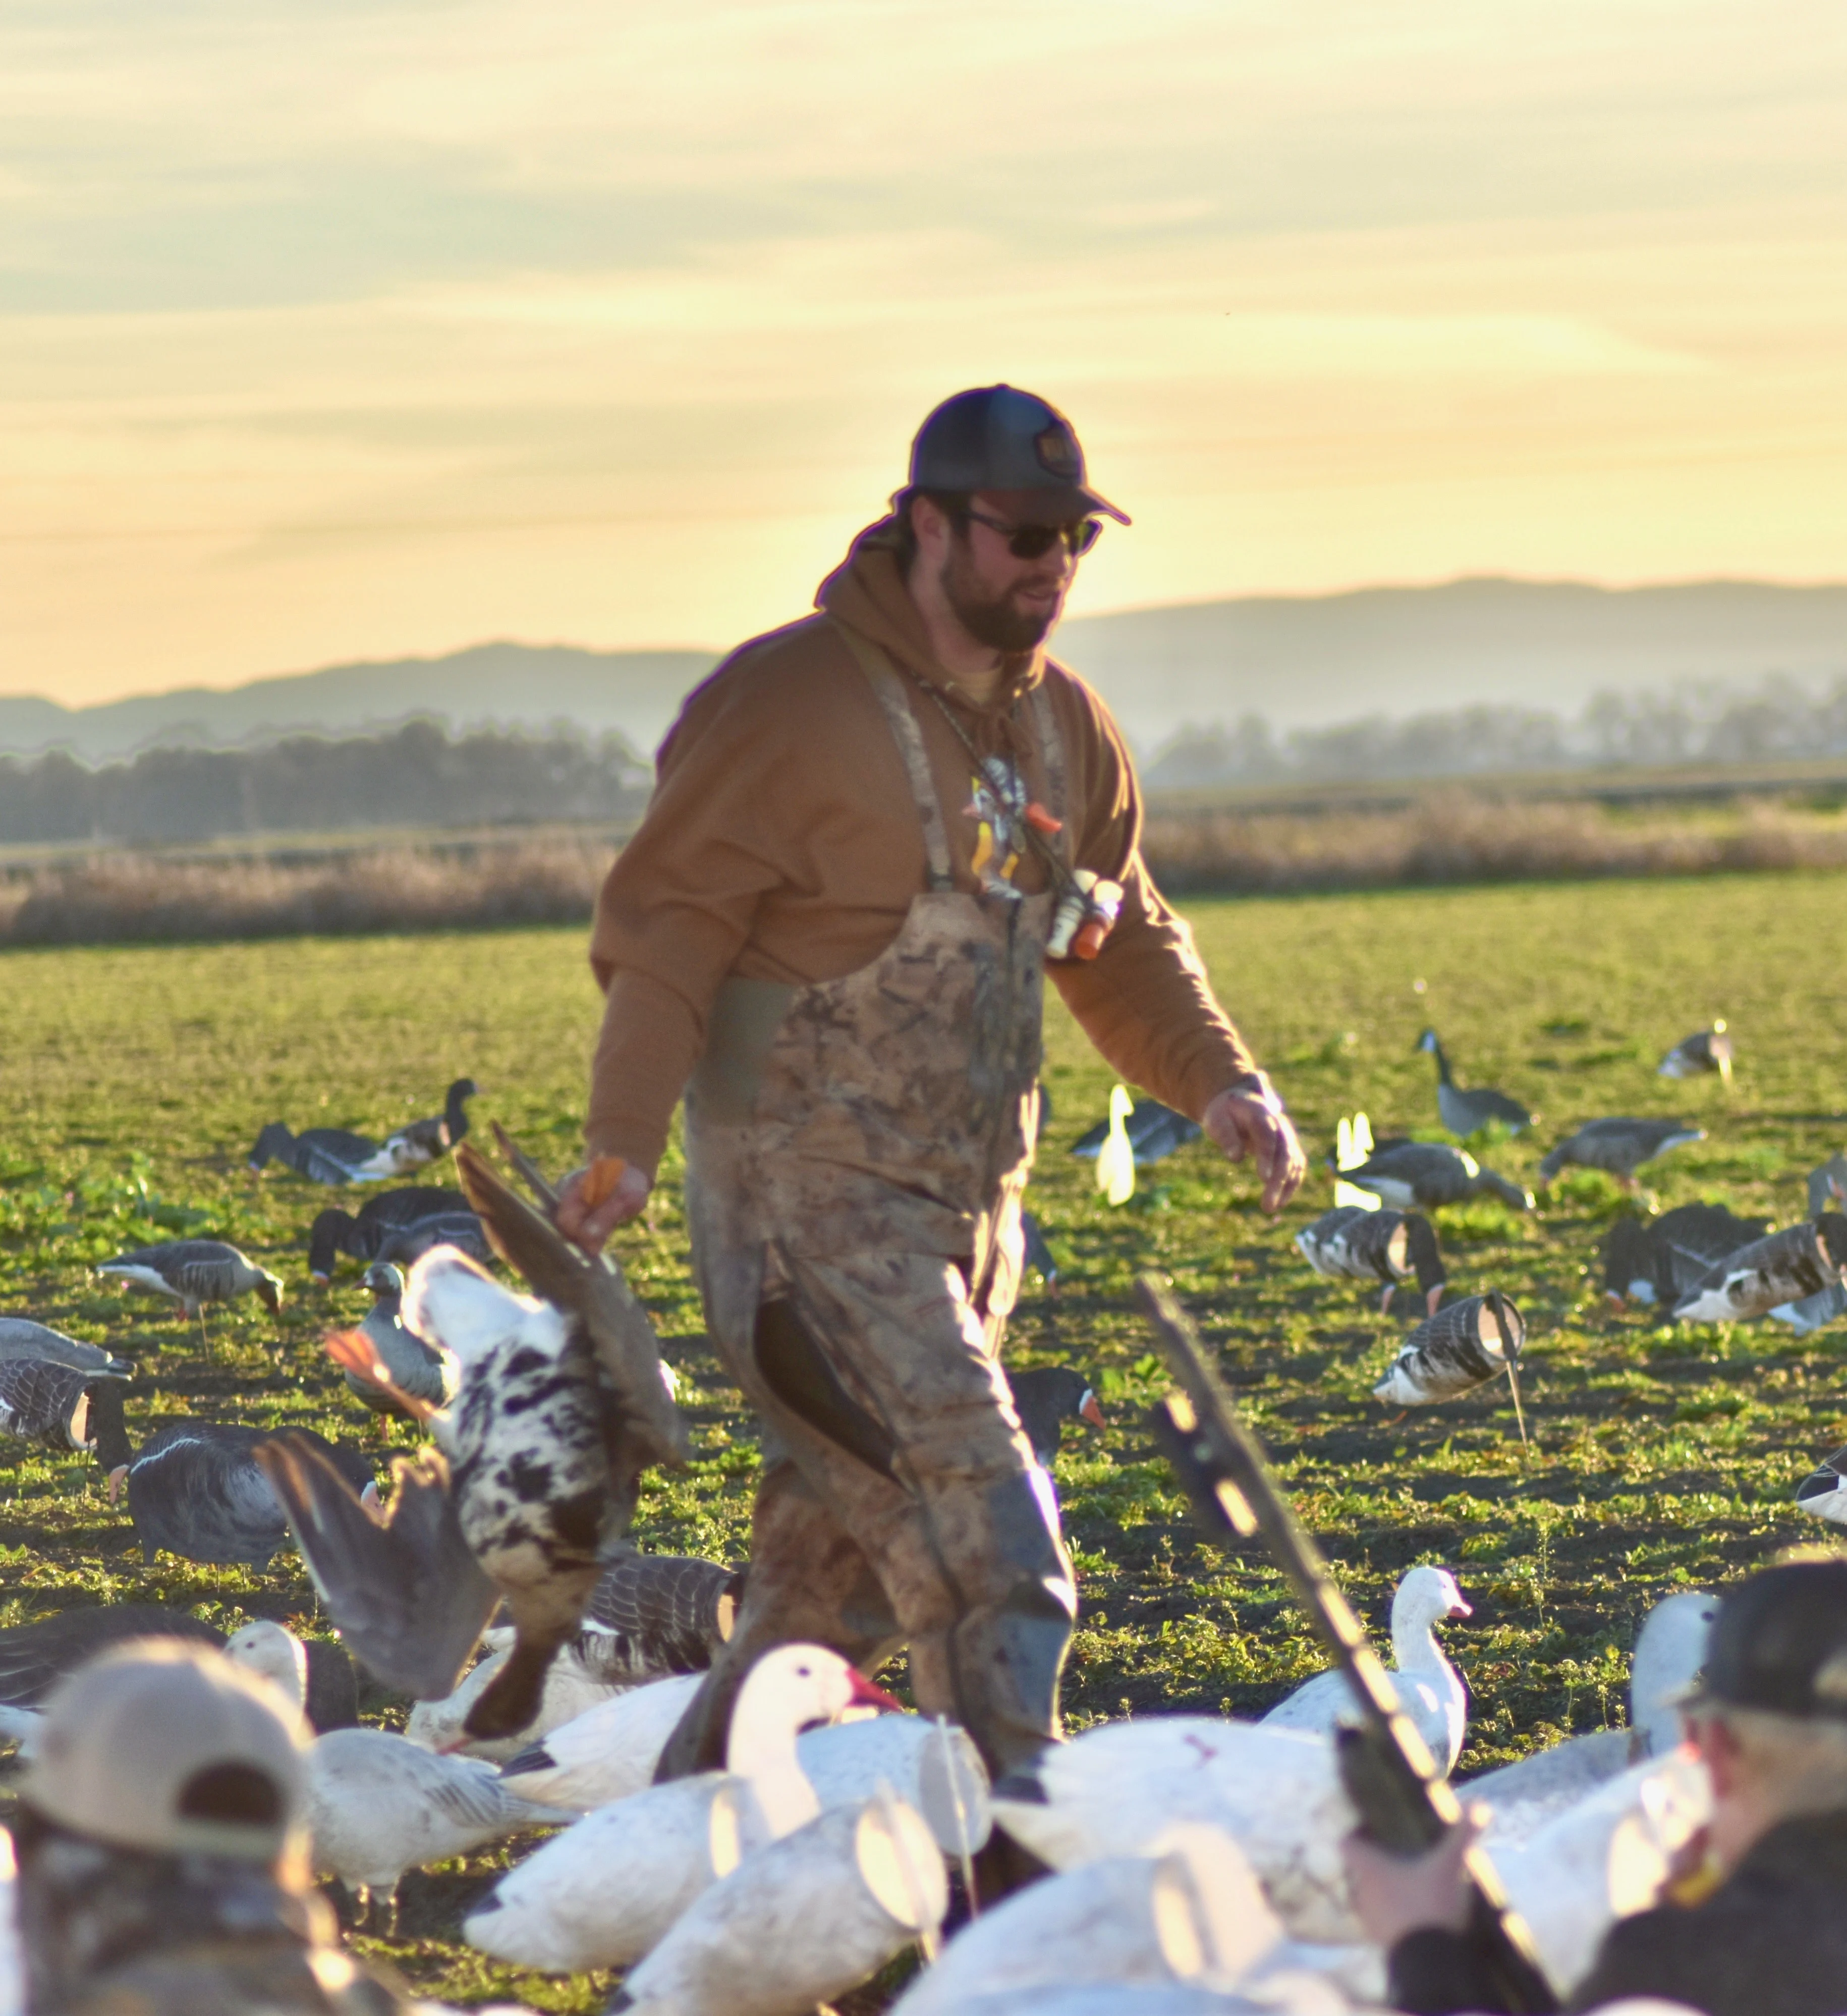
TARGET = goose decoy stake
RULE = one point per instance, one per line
(1353, 1244)
(1467, 1112)
(1619, 1146)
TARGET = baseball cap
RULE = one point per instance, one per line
(998, 438)
(167, 1747)
(1779, 1644)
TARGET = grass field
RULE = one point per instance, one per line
(132, 1082)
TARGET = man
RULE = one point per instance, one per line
(1769, 1718)
(831, 930)
(162, 1864)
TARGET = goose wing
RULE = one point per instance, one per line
(409, 1597)
(35, 1658)
(39, 1400)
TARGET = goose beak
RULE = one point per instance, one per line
(1088, 1410)
(1459, 1608)
(1433, 1300)
(866, 1695)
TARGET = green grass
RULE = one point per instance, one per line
(132, 1082)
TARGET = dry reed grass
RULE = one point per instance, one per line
(1457, 837)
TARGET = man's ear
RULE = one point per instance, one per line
(929, 523)
(1719, 1749)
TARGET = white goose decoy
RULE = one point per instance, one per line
(607, 1753)
(1115, 1153)
(604, 1891)
(1789, 1266)
(1354, 1243)
(1451, 1353)
(1430, 1690)
(377, 1805)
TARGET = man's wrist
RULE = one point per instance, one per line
(1256, 1086)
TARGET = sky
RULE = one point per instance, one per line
(331, 329)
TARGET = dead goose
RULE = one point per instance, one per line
(1787, 1267)
(1619, 1146)
(1421, 1176)
(1451, 1353)
(417, 1373)
(1704, 1050)
(422, 1141)
(1467, 1113)
(1658, 1260)
(195, 1271)
(329, 1155)
(1351, 1243)
(561, 1404)
(400, 1224)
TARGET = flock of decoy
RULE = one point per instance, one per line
(546, 1663)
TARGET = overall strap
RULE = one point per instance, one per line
(1051, 753)
(889, 689)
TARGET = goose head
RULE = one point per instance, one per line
(1830, 1236)
(327, 1235)
(791, 1689)
(455, 1105)
(275, 1140)
(269, 1291)
(458, 1307)
(278, 1655)
(1426, 1259)
(1669, 1651)
(1425, 1597)
(386, 1283)
(104, 1429)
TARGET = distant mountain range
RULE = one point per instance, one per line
(1299, 661)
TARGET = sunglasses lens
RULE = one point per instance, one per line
(1032, 541)
(1085, 535)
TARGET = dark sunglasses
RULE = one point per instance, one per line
(1028, 543)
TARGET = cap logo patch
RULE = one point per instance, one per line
(1056, 447)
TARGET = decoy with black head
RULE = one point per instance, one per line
(1789, 1266)
(1154, 1130)
(194, 1272)
(1045, 1398)
(1350, 1243)
(399, 1224)
(561, 1404)
(329, 1155)
(417, 1372)
(1422, 1176)
(1657, 1260)
(1467, 1112)
(1704, 1050)
(1827, 1186)
(1461, 1347)
(1619, 1146)
(422, 1141)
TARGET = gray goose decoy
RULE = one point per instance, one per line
(422, 1141)
(195, 1271)
(1154, 1130)
(1658, 1260)
(652, 1616)
(22, 1338)
(1823, 1492)
(1045, 1399)
(44, 1401)
(1704, 1050)
(1467, 1113)
(1789, 1266)
(197, 1489)
(563, 1404)
(1038, 1256)
(329, 1155)
(1619, 1146)
(417, 1373)
(400, 1224)
(1827, 1186)
(1460, 1348)
(1351, 1243)
(1422, 1174)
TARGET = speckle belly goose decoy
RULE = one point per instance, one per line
(1350, 1243)
(1430, 1690)
(417, 1373)
(1467, 1113)
(561, 1405)
(1704, 1050)
(329, 1155)
(1619, 1146)
(1154, 1130)
(1046, 1396)
(1787, 1267)
(400, 1226)
(196, 1489)
(1658, 1260)
(421, 1143)
(1421, 1176)
(195, 1272)
(1451, 1353)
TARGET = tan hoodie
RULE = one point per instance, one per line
(783, 843)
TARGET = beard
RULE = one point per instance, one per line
(990, 619)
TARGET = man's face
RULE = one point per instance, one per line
(1008, 603)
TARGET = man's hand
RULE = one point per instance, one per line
(1397, 1894)
(1245, 1119)
(589, 1225)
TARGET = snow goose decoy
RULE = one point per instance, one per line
(607, 1752)
(1657, 1260)
(1153, 1132)
(422, 1141)
(378, 1805)
(1045, 1398)
(195, 1271)
(198, 1490)
(329, 1155)
(1824, 1491)
(1420, 1175)
(1704, 1050)
(1459, 1349)
(417, 1373)
(561, 1404)
(1430, 1690)
(1619, 1146)
(603, 1893)
(1467, 1112)
(400, 1224)
(1789, 1266)
(1353, 1243)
